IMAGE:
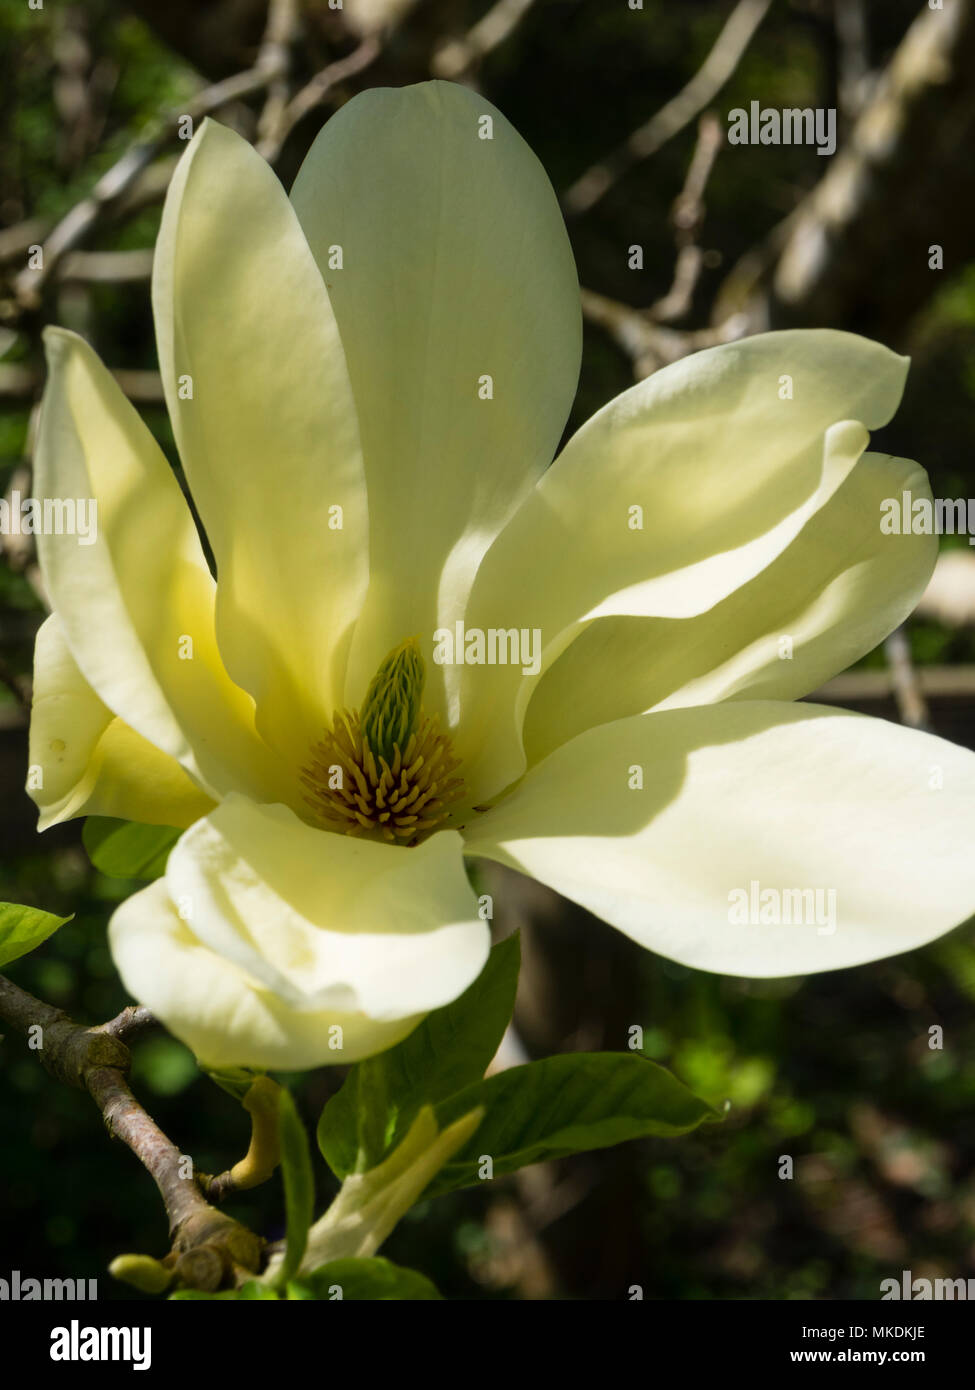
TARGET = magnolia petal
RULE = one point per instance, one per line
(135, 598)
(723, 474)
(269, 440)
(217, 1010)
(787, 797)
(267, 933)
(456, 267)
(831, 597)
(84, 761)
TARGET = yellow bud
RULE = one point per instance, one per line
(142, 1272)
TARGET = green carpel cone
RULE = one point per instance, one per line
(391, 708)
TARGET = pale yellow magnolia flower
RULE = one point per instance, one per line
(367, 384)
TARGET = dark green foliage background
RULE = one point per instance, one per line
(834, 1070)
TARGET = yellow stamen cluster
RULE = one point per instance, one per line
(351, 789)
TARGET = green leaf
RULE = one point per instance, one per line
(373, 1279)
(126, 849)
(24, 928)
(372, 1113)
(299, 1185)
(253, 1289)
(564, 1105)
(449, 1050)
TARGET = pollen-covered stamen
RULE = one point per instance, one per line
(352, 790)
(389, 770)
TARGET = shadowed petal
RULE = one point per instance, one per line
(790, 797)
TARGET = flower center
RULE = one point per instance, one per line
(385, 771)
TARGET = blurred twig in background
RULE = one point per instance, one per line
(679, 112)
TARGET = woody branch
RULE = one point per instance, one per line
(209, 1248)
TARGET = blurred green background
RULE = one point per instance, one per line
(834, 1070)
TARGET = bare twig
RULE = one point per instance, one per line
(833, 259)
(72, 96)
(940, 683)
(911, 704)
(20, 551)
(687, 216)
(279, 36)
(850, 20)
(367, 17)
(271, 63)
(106, 267)
(134, 1020)
(950, 596)
(270, 142)
(458, 56)
(17, 685)
(651, 345)
(147, 189)
(15, 240)
(728, 51)
(18, 547)
(208, 1247)
(280, 33)
(19, 382)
